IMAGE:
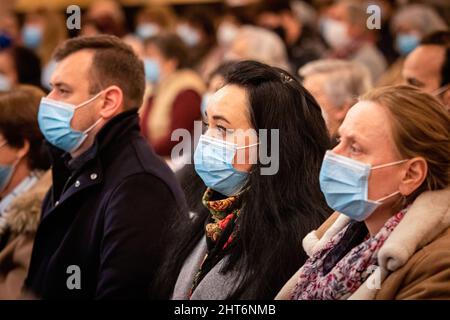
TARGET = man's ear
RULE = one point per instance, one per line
(113, 102)
(414, 176)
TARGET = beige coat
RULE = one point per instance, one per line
(19, 225)
(414, 262)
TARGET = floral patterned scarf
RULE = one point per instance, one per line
(220, 230)
(348, 274)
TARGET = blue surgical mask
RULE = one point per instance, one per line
(32, 36)
(151, 69)
(6, 172)
(147, 30)
(345, 184)
(54, 119)
(5, 83)
(213, 160)
(188, 35)
(406, 43)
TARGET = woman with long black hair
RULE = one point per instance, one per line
(246, 242)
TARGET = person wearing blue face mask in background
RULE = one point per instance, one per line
(197, 28)
(175, 95)
(42, 31)
(389, 181)
(248, 215)
(100, 164)
(151, 20)
(23, 184)
(408, 26)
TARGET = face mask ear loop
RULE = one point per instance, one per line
(389, 164)
(89, 101)
(93, 126)
(388, 196)
(249, 146)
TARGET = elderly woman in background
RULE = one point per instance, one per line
(23, 184)
(410, 24)
(335, 84)
(388, 180)
(259, 44)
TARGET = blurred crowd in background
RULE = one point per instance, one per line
(374, 84)
(183, 45)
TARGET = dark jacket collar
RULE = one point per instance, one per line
(119, 126)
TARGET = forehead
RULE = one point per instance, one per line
(368, 121)
(231, 102)
(74, 69)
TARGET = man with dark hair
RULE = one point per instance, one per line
(106, 220)
(428, 66)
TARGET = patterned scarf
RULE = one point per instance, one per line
(349, 273)
(220, 231)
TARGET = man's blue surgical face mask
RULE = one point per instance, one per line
(213, 159)
(406, 43)
(6, 171)
(345, 185)
(54, 119)
(32, 36)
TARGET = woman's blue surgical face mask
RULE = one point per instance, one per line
(151, 69)
(6, 172)
(406, 43)
(54, 119)
(345, 185)
(32, 36)
(213, 159)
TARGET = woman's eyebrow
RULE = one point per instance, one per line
(219, 117)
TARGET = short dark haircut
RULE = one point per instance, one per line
(18, 123)
(171, 47)
(441, 38)
(113, 63)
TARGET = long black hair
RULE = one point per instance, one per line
(277, 210)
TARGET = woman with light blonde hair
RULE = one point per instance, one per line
(388, 181)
